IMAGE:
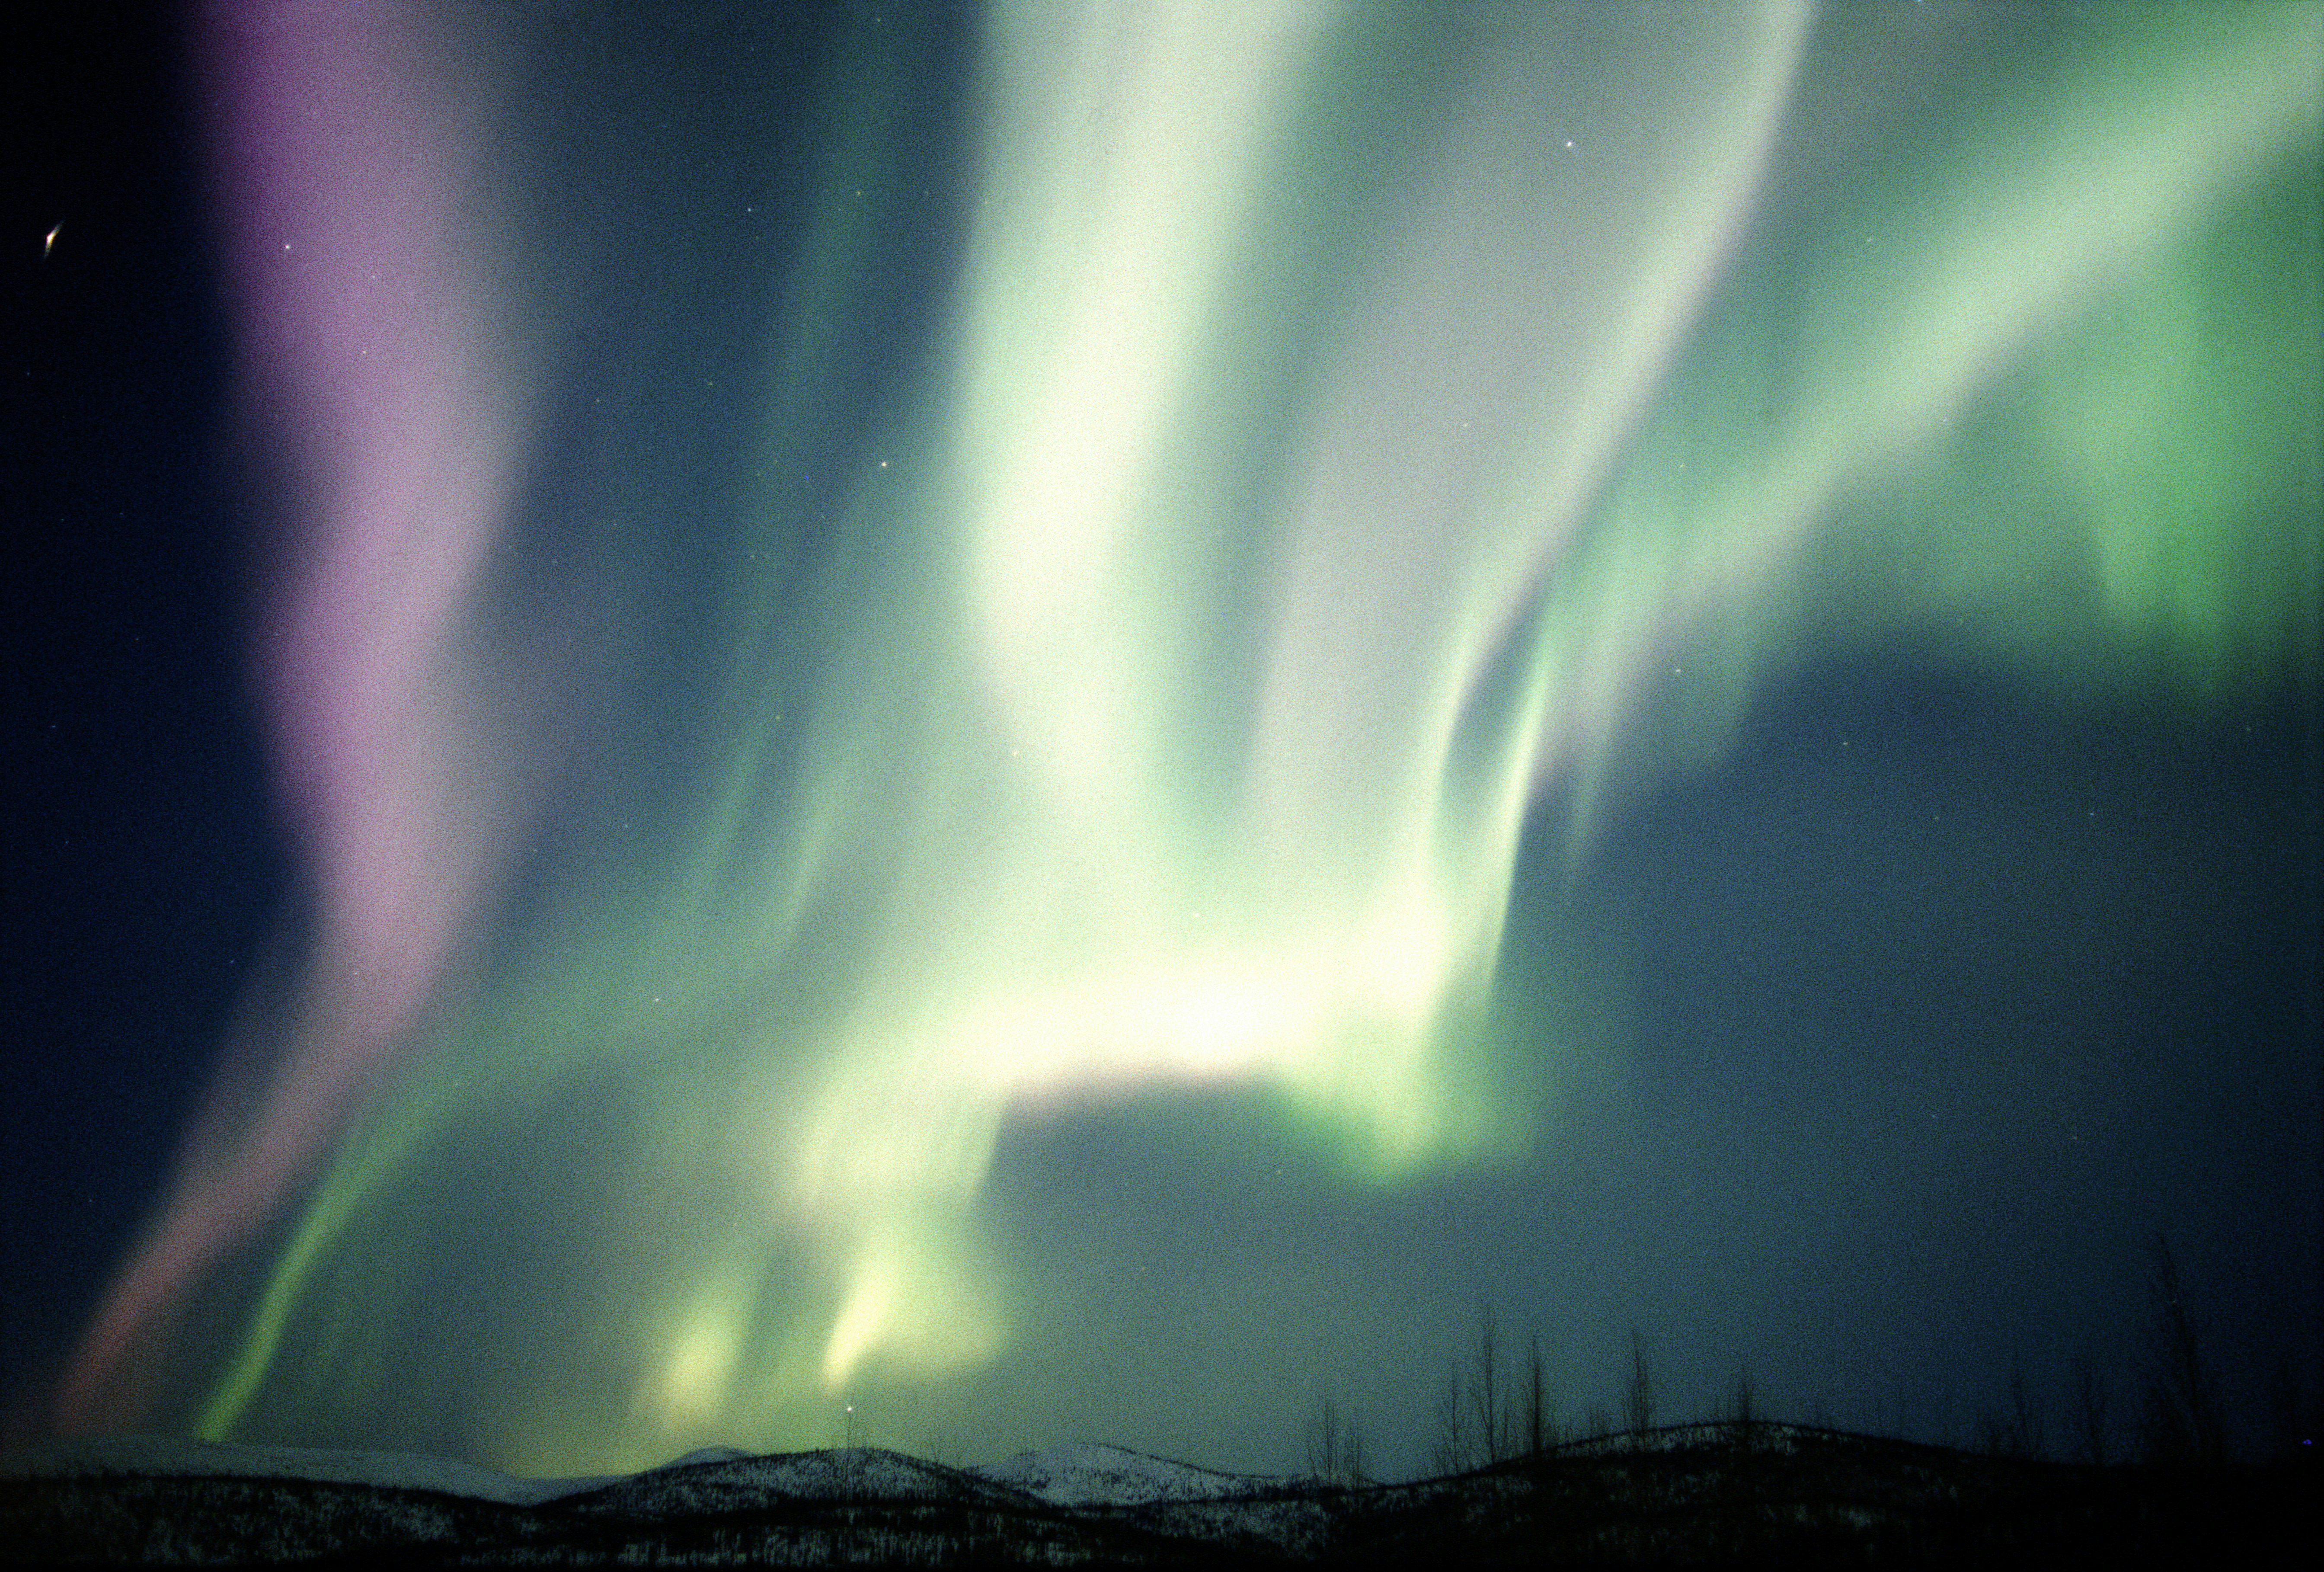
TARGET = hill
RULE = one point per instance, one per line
(1694, 1496)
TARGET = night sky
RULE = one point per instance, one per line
(972, 729)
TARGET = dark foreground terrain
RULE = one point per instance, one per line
(1686, 1496)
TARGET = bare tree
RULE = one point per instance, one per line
(1335, 1446)
(1992, 1432)
(2286, 1401)
(1323, 1439)
(2091, 1412)
(1452, 1454)
(1540, 1402)
(1638, 1402)
(1491, 1421)
(2025, 1430)
(1742, 1400)
(2181, 1423)
(2014, 1429)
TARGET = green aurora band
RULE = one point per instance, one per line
(1352, 440)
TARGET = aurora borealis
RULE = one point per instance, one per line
(988, 715)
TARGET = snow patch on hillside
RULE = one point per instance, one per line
(1085, 1475)
(1079, 1474)
(723, 1479)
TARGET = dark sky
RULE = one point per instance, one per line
(1861, 1021)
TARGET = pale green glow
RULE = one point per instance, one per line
(1062, 932)
(1132, 770)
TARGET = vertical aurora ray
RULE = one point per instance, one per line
(1331, 433)
(376, 349)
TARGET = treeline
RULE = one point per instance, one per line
(2176, 1415)
(1499, 1402)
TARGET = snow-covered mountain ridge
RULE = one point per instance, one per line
(1077, 1475)
(1692, 1496)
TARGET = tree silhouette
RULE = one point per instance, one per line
(1489, 1411)
(1451, 1452)
(2090, 1412)
(1638, 1401)
(1335, 1446)
(1540, 1402)
(1486, 1387)
(2182, 1421)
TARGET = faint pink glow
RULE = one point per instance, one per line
(354, 248)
